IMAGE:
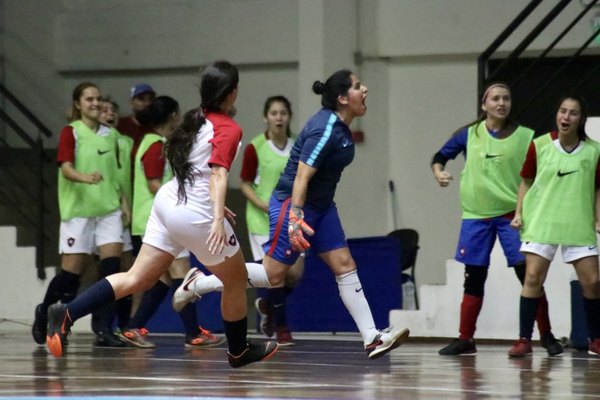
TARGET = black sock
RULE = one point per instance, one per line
(94, 297)
(592, 314)
(124, 311)
(150, 302)
(188, 314)
(236, 332)
(62, 287)
(528, 310)
(277, 298)
(103, 317)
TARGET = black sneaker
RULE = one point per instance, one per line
(459, 347)
(552, 346)
(39, 330)
(108, 339)
(59, 326)
(253, 353)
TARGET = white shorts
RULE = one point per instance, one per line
(256, 242)
(569, 253)
(84, 235)
(173, 228)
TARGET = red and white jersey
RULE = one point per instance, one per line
(217, 143)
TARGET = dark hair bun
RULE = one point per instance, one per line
(318, 87)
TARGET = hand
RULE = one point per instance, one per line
(217, 238)
(230, 216)
(95, 178)
(125, 216)
(443, 178)
(517, 222)
(296, 229)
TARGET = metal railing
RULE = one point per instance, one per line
(486, 74)
(16, 194)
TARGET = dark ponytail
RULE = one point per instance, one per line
(217, 81)
(178, 148)
(336, 85)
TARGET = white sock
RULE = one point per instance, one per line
(257, 277)
(354, 299)
(207, 284)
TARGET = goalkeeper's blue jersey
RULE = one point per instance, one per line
(325, 143)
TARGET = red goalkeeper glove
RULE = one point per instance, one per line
(297, 228)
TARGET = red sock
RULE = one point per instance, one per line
(542, 318)
(469, 312)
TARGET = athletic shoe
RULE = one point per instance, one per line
(135, 338)
(284, 337)
(552, 346)
(203, 339)
(184, 293)
(459, 347)
(522, 348)
(108, 339)
(253, 353)
(385, 341)
(39, 329)
(59, 326)
(266, 317)
(594, 347)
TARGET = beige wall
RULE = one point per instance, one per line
(419, 63)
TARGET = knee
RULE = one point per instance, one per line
(343, 265)
(475, 278)
(590, 289)
(533, 281)
(276, 279)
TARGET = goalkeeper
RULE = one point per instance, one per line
(303, 215)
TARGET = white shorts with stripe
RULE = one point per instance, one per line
(175, 227)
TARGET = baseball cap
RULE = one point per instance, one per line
(140, 88)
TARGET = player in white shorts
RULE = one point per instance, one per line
(189, 212)
(90, 200)
(559, 204)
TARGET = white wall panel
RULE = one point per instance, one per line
(165, 34)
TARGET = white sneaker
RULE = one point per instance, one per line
(385, 341)
(185, 293)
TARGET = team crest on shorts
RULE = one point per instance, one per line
(71, 241)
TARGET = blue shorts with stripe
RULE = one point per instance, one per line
(477, 239)
(329, 234)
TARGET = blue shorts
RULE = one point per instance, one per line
(477, 238)
(328, 236)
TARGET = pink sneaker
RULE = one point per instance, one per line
(284, 337)
(594, 347)
(522, 348)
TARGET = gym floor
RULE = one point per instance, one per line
(317, 367)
